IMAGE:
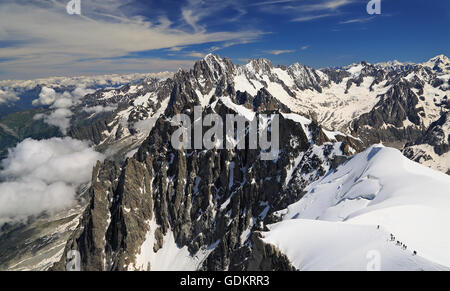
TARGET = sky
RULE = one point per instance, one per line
(39, 39)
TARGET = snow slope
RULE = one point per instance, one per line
(170, 257)
(334, 226)
(335, 106)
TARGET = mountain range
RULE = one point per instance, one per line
(356, 147)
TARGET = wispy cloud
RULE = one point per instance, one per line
(273, 2)
(50, 40)
(279, 52)
(304, 48)
(357, 20)
(175, 49)
(195, 54)
(311, 17)
(303, 11)
(192, 19)
(326, 5)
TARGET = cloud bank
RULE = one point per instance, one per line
(60, 118)
(61, 102)
(100, 109)
(7, 97)
(43, 176)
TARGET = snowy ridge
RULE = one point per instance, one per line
(376, 187)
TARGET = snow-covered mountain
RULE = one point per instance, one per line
(439, 63)
(18, 95)
(390, 104)
(149, 206)
(377, 103)
(351, 213)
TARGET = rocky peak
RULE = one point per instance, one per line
(259, 66)
(438, 135)
(216, 64)
(395, 116)
(307, 78)
(440, 64)
(264, 101)
(440, 59)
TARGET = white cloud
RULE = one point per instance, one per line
(307, 10)
(46, 97)
(80, 82)
(311, 17)
(49, 97)
(175, 49)
(59, 43)
(326, 5)
(99, 109)
(80, 92)
(64, 102)
(304, 48)
(59, 118)
(60, 102)
(7, 96)
(196, 55)
(192, 19)
(279, 52)
(43, 176)
(357, 20)
(272, 2)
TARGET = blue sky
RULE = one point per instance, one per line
(39, 39)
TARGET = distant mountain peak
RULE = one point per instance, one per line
(440, 58)
(440, 63)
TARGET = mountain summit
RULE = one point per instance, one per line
(440, 63)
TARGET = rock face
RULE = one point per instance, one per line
(266, 257)
(209, 202)
(433, 147)
(205, 198)
(263, 101)
(386, 121)
(35, 246)
(438, 135)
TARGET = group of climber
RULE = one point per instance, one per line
(399, 243)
